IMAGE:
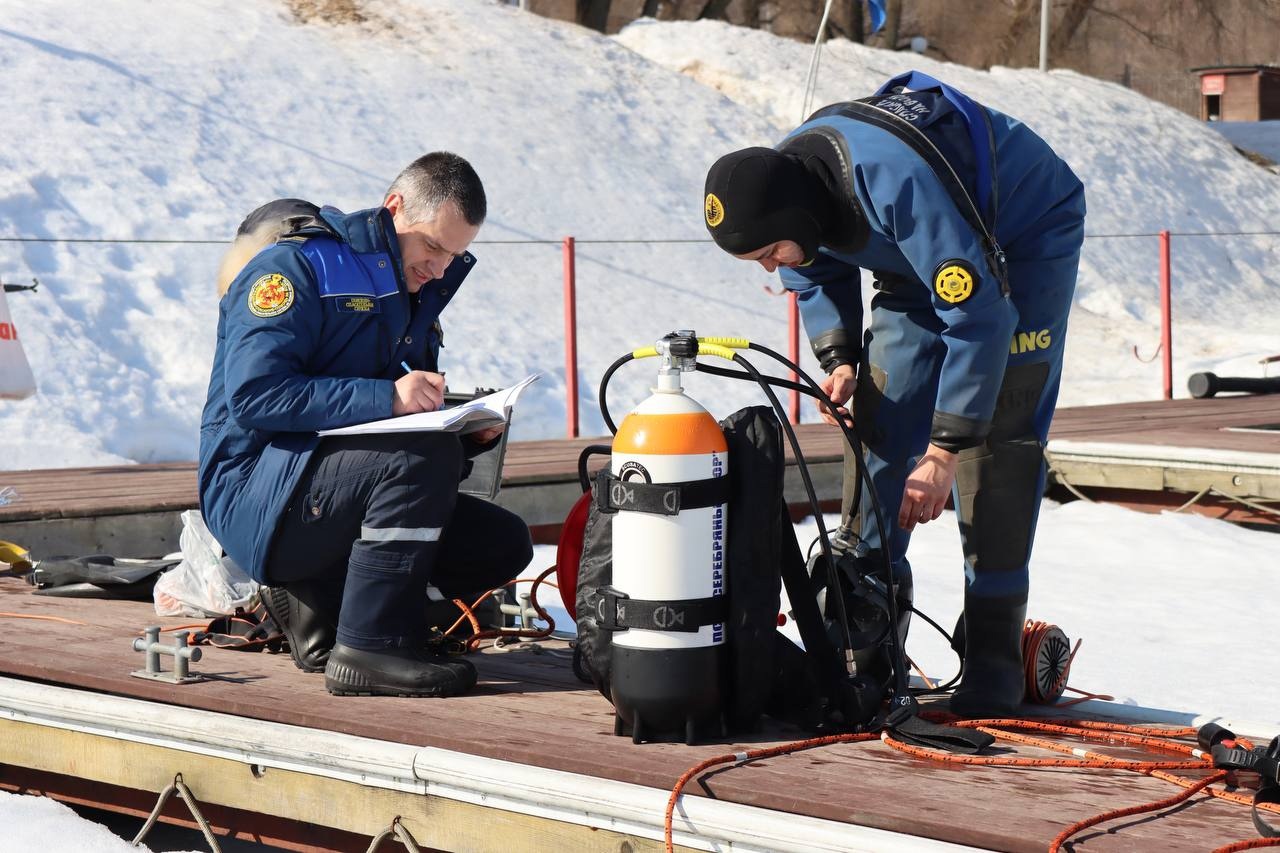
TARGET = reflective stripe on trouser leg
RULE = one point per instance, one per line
(401, 534)
(386, 590)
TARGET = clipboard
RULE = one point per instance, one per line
(485, 479)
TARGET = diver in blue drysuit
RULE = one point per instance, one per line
(971, 226)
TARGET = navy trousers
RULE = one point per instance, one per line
(379, 518)
(999, 484)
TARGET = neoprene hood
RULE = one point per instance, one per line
(758, 196)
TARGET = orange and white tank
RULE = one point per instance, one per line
(670, 438)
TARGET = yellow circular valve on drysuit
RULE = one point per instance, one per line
(954, 282)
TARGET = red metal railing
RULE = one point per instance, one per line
(570, 337)
(1166, 314)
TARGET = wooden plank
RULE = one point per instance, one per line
(123, 490)
(529, 708)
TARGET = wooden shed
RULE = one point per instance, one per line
(1239, 92)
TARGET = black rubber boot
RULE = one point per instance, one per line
(307, 613)
(992, 683)
(396, 672)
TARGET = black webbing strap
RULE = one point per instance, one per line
(246, 630)
(916, 139)
(1265, 761)
(1266, 794)
(616, 611)
(918, 732)
(804, 609)
(612, 494)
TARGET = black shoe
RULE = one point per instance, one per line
(307, 613)
(990, 637)
(396, 672)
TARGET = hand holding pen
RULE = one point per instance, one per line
(417, 391)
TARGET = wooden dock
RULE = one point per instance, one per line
(528, 761)
(1151, 455)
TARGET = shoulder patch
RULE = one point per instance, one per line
(271, 295)
(955, 280)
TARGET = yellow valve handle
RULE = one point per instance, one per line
(719, 346)
(732, 343)
(715, 349)
(15, 555)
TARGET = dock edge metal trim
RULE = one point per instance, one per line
(701, 823)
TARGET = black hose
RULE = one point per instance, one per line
(833, 580)
(604, 385)
(902, 684)
(811, 388)
(775, 381)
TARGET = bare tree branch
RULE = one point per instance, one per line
(1069, 25)
(1024, 13)
(1154, 39)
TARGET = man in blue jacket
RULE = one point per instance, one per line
(336, 322)
(971, 226)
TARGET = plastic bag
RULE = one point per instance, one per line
(16, 380)
(205, 583)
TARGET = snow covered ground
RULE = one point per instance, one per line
(1261, 137)
(174, 130)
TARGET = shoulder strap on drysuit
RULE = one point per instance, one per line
(981, 135)
(979, 209)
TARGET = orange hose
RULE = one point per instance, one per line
(740, 757)
(1057, 842)
(1251, 844)
(479, 634)
(42, 618)
(1151, 738)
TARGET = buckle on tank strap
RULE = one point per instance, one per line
(611, 494)
(617, 611)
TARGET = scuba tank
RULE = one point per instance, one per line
(668, 488)
(675, 565)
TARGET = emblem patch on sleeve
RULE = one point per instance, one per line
(715, 210)
(271, 295)
(954, 281)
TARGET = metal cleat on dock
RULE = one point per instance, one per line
(181, 653)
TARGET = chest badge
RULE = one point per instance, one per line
(271, 295)
(954, 281)
(358, 305)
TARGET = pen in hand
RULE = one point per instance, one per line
(444, 387)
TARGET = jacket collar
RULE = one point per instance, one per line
(371, 230)
(374, 230)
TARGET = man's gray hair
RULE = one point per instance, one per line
(436, 178)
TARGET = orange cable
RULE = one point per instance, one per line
(479, 634)
(42, 618)
(1148, 737)
(1179, 797)
(1251, 844)
(748, 755)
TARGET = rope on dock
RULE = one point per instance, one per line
(184, 793)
